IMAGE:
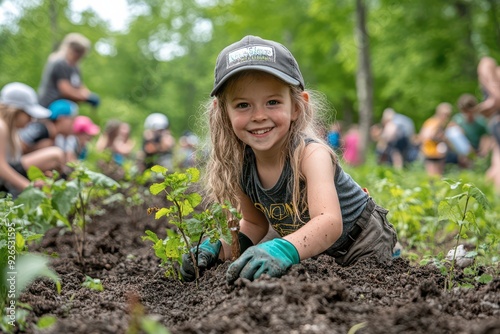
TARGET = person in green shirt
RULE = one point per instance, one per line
(474, 126)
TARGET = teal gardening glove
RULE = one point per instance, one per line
(272, 257)
(208, 254)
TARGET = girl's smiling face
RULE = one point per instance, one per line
(260, 109)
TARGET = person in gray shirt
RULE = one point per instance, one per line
(62, 77)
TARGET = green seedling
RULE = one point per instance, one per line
(93, 284)
(46, 322)
(18, 267)
(189, 227)
(59, 199)
(461, 209)
(139, 321)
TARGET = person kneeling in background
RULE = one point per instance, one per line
(18, 104)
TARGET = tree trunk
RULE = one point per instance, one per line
(53, 24)
(363, 79)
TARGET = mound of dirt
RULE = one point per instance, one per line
(316, 296)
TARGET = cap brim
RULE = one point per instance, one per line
(93, 130)
(285, 77)
(37, 111)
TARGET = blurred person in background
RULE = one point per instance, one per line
(43, 133)
(186, 153)
(334, 136)
(62, 77)
(351, 146)
(18, 105)
(433, 141)
(397, 135)
(157, 142)
(116, 139)
(76, 145)
(489, 78)
(467, 132)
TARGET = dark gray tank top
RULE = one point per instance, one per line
(276, 202)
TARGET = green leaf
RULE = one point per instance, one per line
(156, 188)
(452, 183)
(448, 211)
(64, 198)
(163, 212)
(173, 247)
(101, 180)
(159, 169)
(194, 199)
(31, 266)
(46, 321)
(20, 242)
(93, 283)
(151, 236)
(33, 237)
(31, 198)
(484, 278)
(151, 326)
(480, 197)
(194, 174)
(34, 173)
(159, 248)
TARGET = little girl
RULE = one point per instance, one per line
(268, 160)
(18, 104)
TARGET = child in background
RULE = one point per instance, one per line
(334, 136)
(188, 144)
(269, 160)
(75, 146)
(18, 104)
(116, 139)
(157, 142)
(351, 146)
(432, 138)
(43, 133)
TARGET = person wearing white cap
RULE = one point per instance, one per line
(18, 105)
(158, 143)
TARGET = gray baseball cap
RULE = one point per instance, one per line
(22, 96)
(255, 53)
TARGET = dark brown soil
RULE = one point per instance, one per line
(316, 296)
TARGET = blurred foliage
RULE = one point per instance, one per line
(413, 199)
(423, 52)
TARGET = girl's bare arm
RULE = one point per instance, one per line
(325, 226)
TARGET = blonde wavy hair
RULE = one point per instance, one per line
(72, 40)
(226, 152)
(9, 114)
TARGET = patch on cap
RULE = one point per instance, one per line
(251, 53)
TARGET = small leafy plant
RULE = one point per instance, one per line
(462, 209)
(189, 227)
(61, 199)
(93, 283)
(18, 267)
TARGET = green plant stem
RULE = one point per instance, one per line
(453, 262)
(186, 240)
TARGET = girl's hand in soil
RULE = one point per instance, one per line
(208, 254)
(273, 258)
